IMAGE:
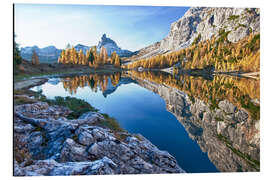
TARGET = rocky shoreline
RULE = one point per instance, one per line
(47, 143)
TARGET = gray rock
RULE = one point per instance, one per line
(52, 168)
(85, 138)
(207, 22)
(76, 147)
(72, 151)
(227, 107)
(214, 132)
(23, 129)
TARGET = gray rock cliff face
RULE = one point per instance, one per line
(229, 136)
(111, 46)
(207, 22)
(46, 143)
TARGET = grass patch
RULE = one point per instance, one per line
(138, 137)
(121, 136)
(111, 123)
(219, 119)
(233, 17)
(77, 106)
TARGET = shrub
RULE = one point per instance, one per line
(197, 39)
(233, 17)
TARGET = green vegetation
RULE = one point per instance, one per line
(248, 10)
(197, 39)
(233, 17)
(222, 36)
(253, 109)
(254, 163)
(111, 123)
(121, 136)
(17, 59)
(192, 99)
(138, 137)
(219, 119)
(75, 137)
(213, 104)
(252, 44)
(18, 100)
(240, 25)
(77, 106)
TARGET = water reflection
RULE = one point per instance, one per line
(94, 81)
(242, 92)
(221, 114)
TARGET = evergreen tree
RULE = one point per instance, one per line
(17, 59)
(91, 57)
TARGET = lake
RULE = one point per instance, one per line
(182, 115)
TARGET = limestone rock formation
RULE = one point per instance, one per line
(111, 46)
(206, 22)
(46, 143)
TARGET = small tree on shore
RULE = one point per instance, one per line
(16, 56)
(35, 60)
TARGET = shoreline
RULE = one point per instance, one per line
(93, 143)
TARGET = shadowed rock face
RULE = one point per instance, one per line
(227, 133)
(46, 143)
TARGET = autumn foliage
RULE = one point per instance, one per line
(94, 81)
(239, 91)
(223, 55)
(35, 59)
(91, 58)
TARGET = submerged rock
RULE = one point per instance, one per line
(57, 146)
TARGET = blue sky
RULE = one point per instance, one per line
(132, 27)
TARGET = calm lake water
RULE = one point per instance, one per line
(138, 110)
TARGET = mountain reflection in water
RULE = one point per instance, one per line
(221, 115)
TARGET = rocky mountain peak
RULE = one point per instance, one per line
(206, 23)
(104, 37)
(105, 40)
(111, 46)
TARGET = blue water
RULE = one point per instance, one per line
(139, 110)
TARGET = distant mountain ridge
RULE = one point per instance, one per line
(50, 54)
(47, 54)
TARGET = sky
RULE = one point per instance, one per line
(131, 27)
